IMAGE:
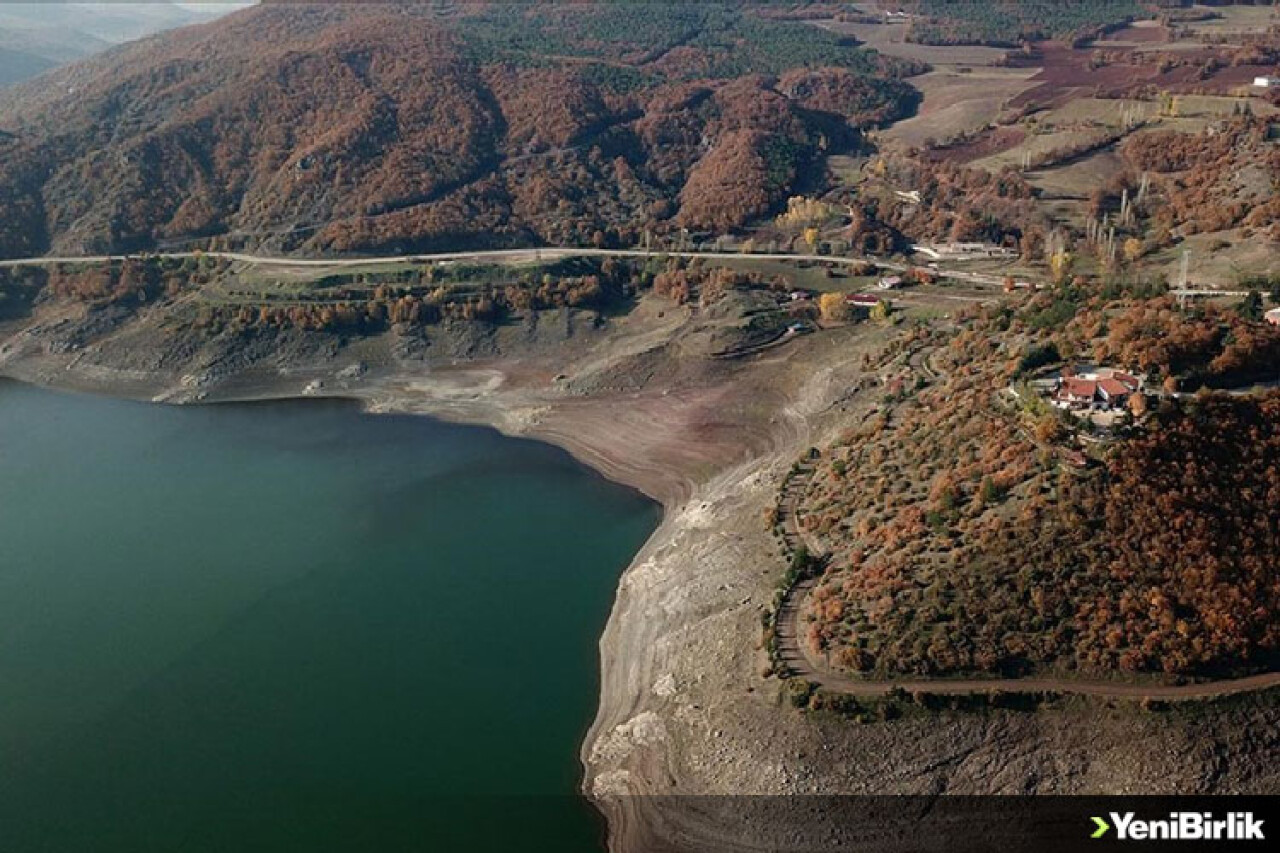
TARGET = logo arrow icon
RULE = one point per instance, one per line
(1102, 825)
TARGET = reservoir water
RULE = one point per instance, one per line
(293, 626)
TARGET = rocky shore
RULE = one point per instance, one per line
(688, 722)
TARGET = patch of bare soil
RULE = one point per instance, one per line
(996, 141)
(1142, 32)
(1066, 73)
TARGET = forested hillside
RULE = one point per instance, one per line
(1211, 181)
(1006, 23)
(967, 533)
(360, 128)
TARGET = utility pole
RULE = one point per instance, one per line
(1182, 279)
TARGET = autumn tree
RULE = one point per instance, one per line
(1132, 249)
(1138, 404)
(1060, 265)
(833, 307)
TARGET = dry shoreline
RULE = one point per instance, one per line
(685, 708)
(636, 439)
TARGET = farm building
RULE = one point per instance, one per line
(963, 251)
(862, 300)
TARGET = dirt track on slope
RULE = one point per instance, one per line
(806, 665)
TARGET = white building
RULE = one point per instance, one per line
(1266, 82)
(963, 251)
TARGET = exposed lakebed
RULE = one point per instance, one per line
(293, 626)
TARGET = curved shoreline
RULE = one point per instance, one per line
(638, 438)
(684, 707)
(594, 449)
(620, 421)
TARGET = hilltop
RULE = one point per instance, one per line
(364, 128)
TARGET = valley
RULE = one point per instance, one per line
(946, 337)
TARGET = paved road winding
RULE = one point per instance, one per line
(496, 256)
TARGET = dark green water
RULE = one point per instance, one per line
(295, 627)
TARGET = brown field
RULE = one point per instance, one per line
(1237, 20)
(999, 140)
(964, 93)
(1213, 264)
(958, 103)
(1221, 83)
(1137, 34)
(1035, 144)
(1065, 75)
(1077, 179)
(888, 39)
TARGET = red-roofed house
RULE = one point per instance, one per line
(1105, 389)
(1076, 393)
(1113, 392)
(1128, 380)
(863, 300)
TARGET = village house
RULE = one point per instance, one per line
(862, 304)
(1073, 393)
(963, 251)
(1273, 316)
(892, 282)
(862, 300)
(1102, 390)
